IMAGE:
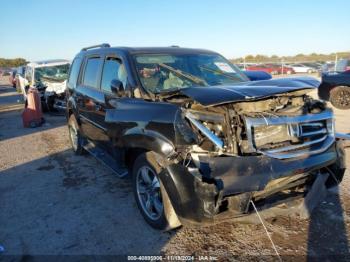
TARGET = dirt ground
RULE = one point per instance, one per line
(55, 203)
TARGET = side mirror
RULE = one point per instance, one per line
(117, 88)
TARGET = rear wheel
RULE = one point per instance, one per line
(75, 136)
(150, 194)
(340, 97)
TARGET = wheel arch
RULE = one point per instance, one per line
(149, 141)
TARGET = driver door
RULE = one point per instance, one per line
(113, 68)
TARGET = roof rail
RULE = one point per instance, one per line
(95, 46)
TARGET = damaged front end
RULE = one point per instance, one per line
(269, 150)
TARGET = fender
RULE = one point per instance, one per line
(148, 140)
(136, 123)
(192, 198)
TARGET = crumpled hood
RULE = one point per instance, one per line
(254, 90)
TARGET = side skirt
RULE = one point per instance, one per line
(106, 159)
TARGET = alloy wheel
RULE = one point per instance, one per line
(148, 192)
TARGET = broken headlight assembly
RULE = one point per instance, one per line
(209, 124)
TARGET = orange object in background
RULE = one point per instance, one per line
(32, 115)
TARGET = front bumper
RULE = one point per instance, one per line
(199, 199)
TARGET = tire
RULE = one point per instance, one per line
(150, 194)
(340, 97)
(75, 136)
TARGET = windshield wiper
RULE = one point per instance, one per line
(192, 78)
(221, 73)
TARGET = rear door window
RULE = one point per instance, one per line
(74, 72)
(91, 72)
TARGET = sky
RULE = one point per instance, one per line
(38, 29)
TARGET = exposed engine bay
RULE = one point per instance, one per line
(242, 128)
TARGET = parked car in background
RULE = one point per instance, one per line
(202, 143)
(327, 67)
(20, 70)
(272, 69)
(300, 68)
(50, 78)
(20, 80)
(314, 65)
(335, 87)
(5, 72)
(12, 77)
(342, 65)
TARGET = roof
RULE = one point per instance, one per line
(167, 50)
(52, 62)
(150, 50)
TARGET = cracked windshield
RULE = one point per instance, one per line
(162, 73)
(57, 73)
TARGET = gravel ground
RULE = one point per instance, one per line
(55, 203)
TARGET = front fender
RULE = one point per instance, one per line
(148, 140)
(194, 200)
(136, 123)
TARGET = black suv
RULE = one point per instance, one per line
(335, 86)
(202, 142)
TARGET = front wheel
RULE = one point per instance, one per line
(150, 194)
(340, 97)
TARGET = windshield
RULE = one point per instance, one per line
(162, 73)
(57, 73)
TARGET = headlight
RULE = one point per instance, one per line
(206, 125)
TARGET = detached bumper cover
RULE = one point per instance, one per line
(252, 173)
(196, 199)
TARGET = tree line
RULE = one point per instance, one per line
(12, 62)
(313, 57)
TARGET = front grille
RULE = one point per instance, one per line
(284, 137)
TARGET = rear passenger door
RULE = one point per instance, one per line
(90, 98)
